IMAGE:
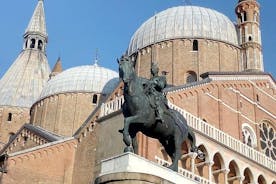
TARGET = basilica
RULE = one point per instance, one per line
(58, 126)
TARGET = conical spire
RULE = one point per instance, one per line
(37, 23)
(57, 68)
(22, 84)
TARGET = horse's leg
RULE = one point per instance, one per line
(126, 134)
(134, 141)
(127, 122)
(177, 151)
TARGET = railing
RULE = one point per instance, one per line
(112, 106)
(226, 140)
(184, 172)
(206, 129)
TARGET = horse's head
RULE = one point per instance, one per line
(126, 69)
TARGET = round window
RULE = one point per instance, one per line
(268, 140)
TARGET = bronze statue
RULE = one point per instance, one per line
(141, 116)
(154, 89)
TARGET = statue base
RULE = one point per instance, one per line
(132, 169)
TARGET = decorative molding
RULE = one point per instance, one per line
(253, 103)
(41, 151)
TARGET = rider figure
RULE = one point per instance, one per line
(155, 91)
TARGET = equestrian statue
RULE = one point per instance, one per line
(146, 109)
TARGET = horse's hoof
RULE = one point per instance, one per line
(127, 140)
(173, 168)
(128, 149)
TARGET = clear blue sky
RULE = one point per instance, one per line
(77, 28)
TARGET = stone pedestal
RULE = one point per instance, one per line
(129, 168)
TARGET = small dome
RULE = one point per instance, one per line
(92, 78)
(184, 22)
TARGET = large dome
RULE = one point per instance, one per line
(92, 78)
(184, 22)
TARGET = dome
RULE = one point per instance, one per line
(184, 22)
(91, 78)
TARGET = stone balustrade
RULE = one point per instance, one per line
(225, 139)
(111, 106)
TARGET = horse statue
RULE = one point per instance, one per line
(139, 115)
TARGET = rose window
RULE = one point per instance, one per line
(268, 140)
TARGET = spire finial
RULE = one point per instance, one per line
(187, 2)
(96, 57)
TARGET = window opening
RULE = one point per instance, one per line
(32, 44)
(95, 99)
(245, 16)
(9, 116)
(40, 45)
(195, 45)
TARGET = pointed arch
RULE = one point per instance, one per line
(249, 135)
(218, 168)
(261, 180)
(234, 173)
(248, 176)
(202, 165)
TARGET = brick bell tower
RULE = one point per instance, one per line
(248, 27)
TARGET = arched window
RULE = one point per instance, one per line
(244, 17)
(40, 45)
(249, 136)
(261, 180)
(195, 45)
(240, 18)
(234, 173)
(257, 98)
(250, 38)
(95, 99)
(26, 43)
(217, 168)
(32, 43)
(248, 176)
(9, 117)
(191, 77)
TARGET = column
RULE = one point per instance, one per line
(225, 172)
(210, 164)
(193, 157)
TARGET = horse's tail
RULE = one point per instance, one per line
(192, 139)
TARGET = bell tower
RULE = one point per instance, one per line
(248, 27)
(22, 84)
(35, 36)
